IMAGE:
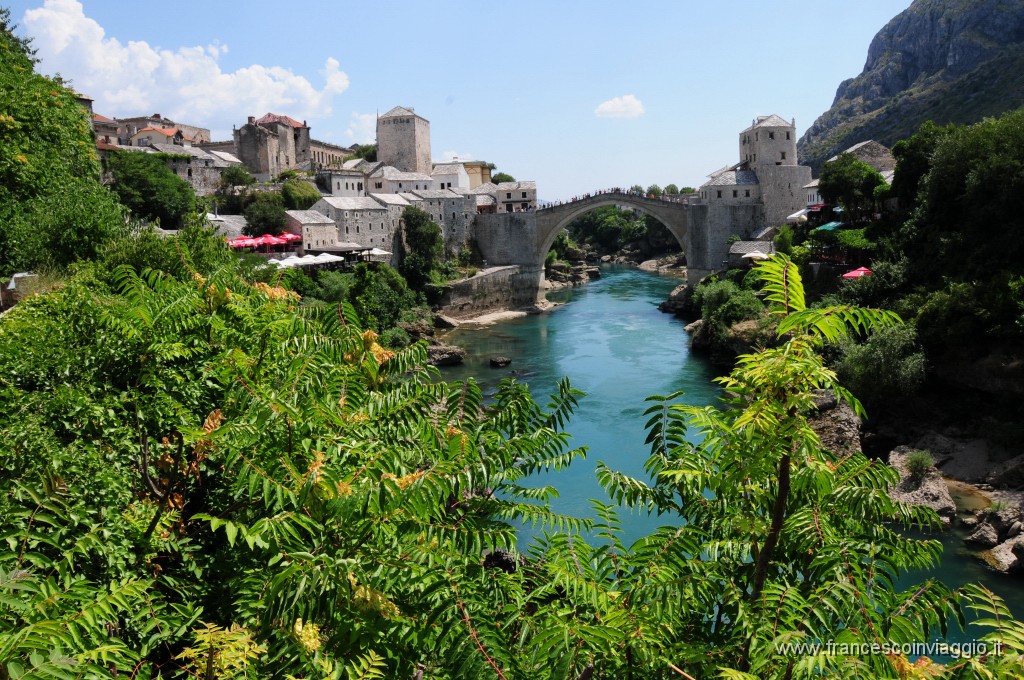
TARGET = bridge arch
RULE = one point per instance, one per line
(553, 219)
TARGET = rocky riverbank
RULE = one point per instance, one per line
(960, 485)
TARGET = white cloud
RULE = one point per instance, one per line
(460, 155)
(186, 84)
(627, 106)
(362, 128)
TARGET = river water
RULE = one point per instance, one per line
(614, 344)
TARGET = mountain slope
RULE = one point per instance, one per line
(948, 61)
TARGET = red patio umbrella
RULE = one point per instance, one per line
(289, 237)
(857, 273)
(268, 240)
(242, 242)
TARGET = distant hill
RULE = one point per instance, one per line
(948, 61)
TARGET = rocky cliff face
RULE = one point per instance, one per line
(948, 61)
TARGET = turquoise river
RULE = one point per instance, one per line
(612, 342)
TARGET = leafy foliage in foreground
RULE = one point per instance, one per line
(208, 479)
(219, 473)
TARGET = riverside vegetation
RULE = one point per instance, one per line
(206, 478)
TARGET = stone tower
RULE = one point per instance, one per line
(403, 140)
(768, 147)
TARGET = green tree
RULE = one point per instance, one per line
(653, 190)
(851, 183)
(772, 538)
(299, 194)
(671, 189)
(423, 244)
(236, 176)
(500, 177)
(367, 152)
(53, 210)
(379, 295)
(885, 368)
(913, 160)
(150, 189)
(264, 214)
(636, 189)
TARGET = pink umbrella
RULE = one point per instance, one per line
(857, 273)
(289, 237)
(242, 242)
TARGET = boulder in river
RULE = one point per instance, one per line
(445, 355)
(500, 362)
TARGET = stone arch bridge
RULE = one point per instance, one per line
(523, 239)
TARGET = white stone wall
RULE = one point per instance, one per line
(516, 197)
(732, 194)
(350, 185)
(451, 177)
(782, 189)
(316, 236)
(768, 146)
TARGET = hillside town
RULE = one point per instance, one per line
(362, 200)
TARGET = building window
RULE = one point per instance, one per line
(735, 193)
(508, 195)
(399, 185)
(379, 185)
(787, 135)
(755, 157)
(771, 135)
(525, 205)
(783, 155)
(339, 186)
(524, 194)
(360, 187)
(719, 193)
(746, 193)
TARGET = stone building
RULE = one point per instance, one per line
(403, 140)
(395, 204)
(450, 176)
(453, 212)
(359, 220)
(389, 180)
(479, 172)
(327, 155)
(129, 127)
(763, 189)
(150, 136)
(272, 144)
(317, 230)
(194, 165)
(516, 196)
(107, 130)
(342, 182)
(878, 156)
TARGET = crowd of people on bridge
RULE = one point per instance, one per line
(670, 198)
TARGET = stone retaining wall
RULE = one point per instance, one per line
(491, 290)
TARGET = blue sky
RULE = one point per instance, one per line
(576, 95)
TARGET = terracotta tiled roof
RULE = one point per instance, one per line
(102, 119)
(275, 118)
